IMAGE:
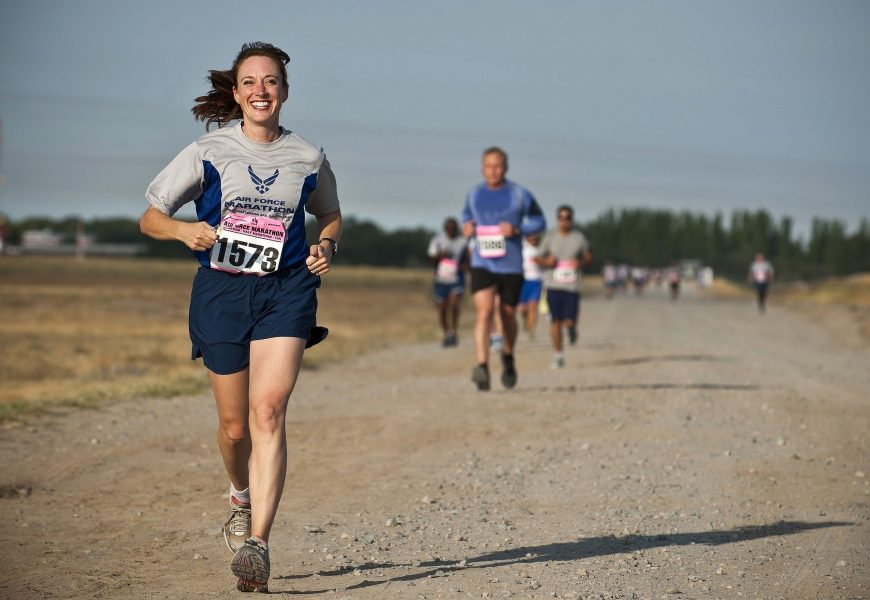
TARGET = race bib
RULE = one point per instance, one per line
(490, 241)
(248, 244)
(448, 271)
(565, 272)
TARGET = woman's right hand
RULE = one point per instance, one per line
(197, 236)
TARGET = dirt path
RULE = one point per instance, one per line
(688, 450)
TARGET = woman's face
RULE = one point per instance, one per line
(260, 91)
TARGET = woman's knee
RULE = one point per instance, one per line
(268, 416)
(234, 431)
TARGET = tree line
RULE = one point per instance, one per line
(635, 236)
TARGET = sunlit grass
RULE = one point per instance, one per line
(78, 333)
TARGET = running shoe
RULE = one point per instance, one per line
(509, 371)
(558, 362)
(237, 527)
(572, 335)
(480, 376)
(495, 342)
(251, 565)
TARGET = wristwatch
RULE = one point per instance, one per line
(333, 245)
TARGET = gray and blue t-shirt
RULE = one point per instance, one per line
(226, 172)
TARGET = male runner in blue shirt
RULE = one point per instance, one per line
(497, 214)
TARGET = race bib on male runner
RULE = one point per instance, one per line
(490, 241)
(448, 271)
(248, 244)
(565, 272)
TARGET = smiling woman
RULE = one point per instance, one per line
(263, 79)
(253, 306)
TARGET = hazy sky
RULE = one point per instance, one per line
(700, 105)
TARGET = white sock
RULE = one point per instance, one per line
(244, 496)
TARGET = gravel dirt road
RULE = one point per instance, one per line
(687, 450)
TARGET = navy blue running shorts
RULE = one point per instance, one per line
(228, 310)
(564, 305)
(442, 290)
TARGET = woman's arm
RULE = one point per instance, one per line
(321, 253)
(196, 236)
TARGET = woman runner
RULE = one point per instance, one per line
(253, 304)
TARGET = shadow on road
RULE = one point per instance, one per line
(575, 550)
(638, 360)
(556, 389)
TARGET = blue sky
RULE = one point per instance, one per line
(686, 105)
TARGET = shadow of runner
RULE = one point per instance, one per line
(580, 549)
(555, 389)
(618, 362)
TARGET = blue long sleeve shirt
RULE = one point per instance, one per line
(512, 203)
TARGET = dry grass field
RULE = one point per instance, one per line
(79, 332)
(75, 333)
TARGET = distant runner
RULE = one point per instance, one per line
(498, 212)
(761, 276)
(611, 280)
(672, 276)
(253, 306)
(530, 295)
(564, 252)
(449, 254)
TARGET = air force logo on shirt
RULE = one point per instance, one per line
(262, 185)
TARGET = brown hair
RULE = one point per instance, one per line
(499, 151)
(218, 105)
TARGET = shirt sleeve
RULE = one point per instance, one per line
(324, 199)
(534, 221)
(544, 247)
(466, 209)
(584, 245)
(178, 183)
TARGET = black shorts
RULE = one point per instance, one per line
(228, 310)
(508, 285)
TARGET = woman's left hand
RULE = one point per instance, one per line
(318, 260)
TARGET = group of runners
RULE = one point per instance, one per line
(253, 306)
(511, 259)
(619, 277)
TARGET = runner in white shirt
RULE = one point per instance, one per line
(761, 276)
(611, 281)
(448, 252)
(530, 294)
(253, 304)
